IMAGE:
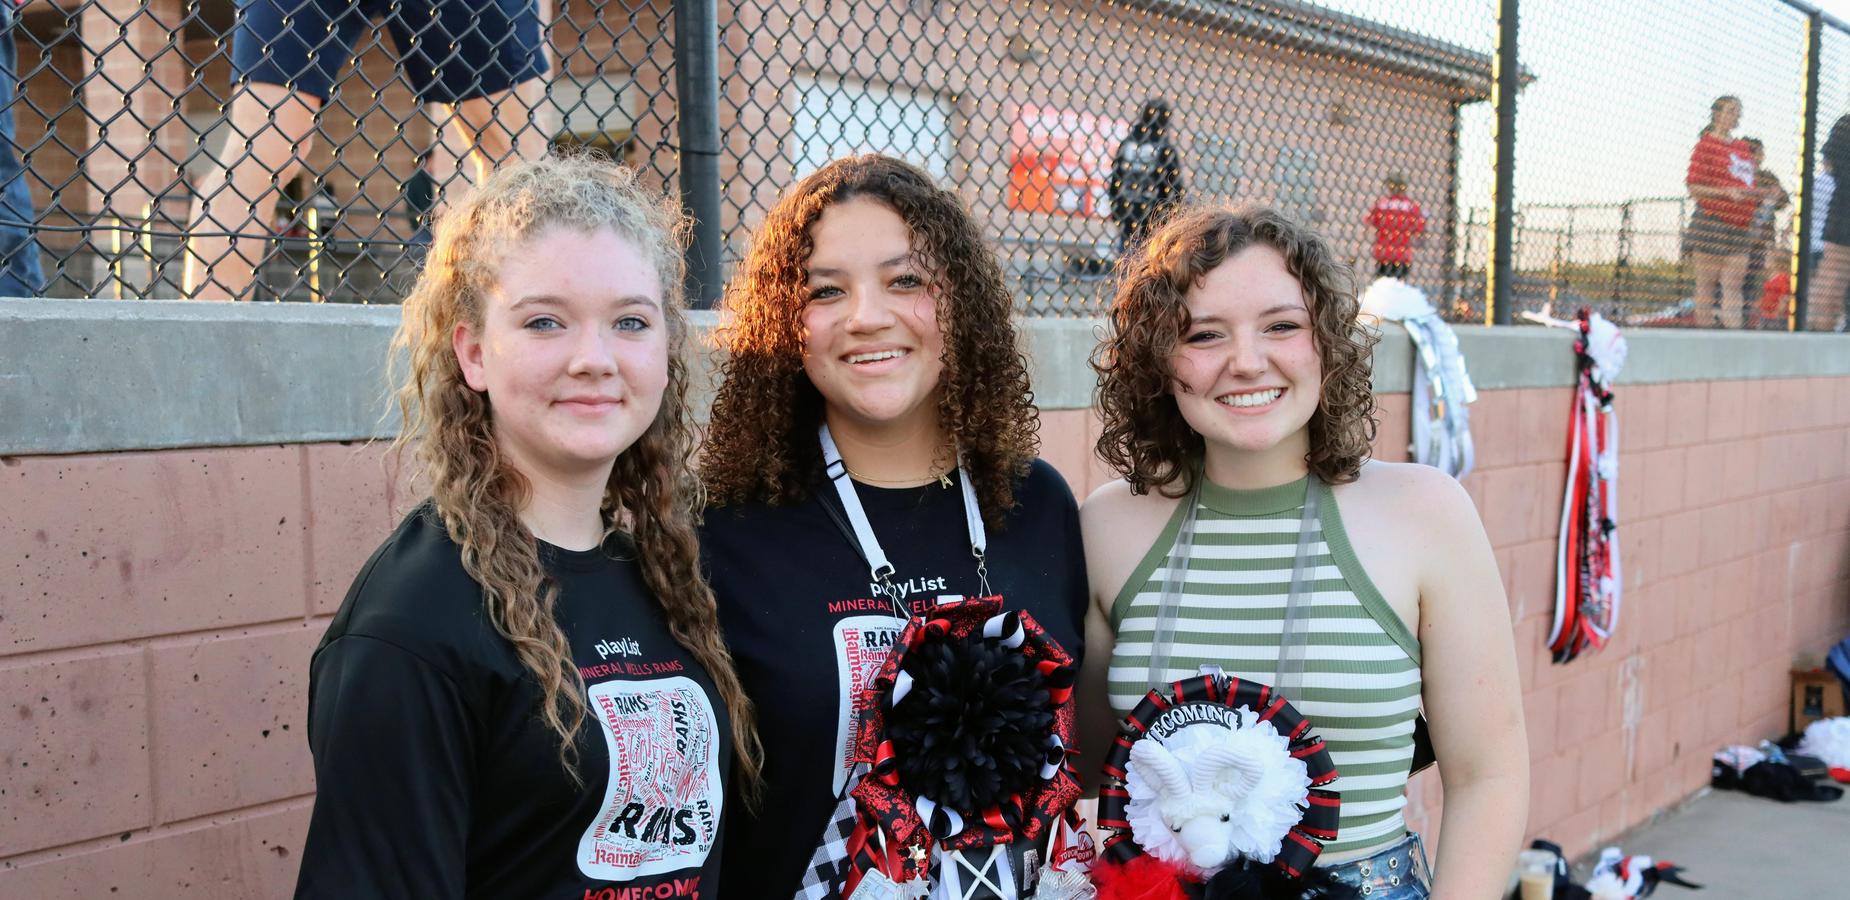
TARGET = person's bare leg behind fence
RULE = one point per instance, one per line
(1707, 269)
(272, 130)
(500, 127)
(285, 55)
(1732, 270)
(498, 111)
(483, 60)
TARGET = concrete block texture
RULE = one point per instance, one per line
(74, 760)
(1686, 413)
(240, 856)
(1496, 428)
(1394, 437)
(1064, 446)
(349, 511)
(229, 713)
(1543, 415)
(118, 546)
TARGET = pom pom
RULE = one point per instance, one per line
(973, 728)
(1828, 740)
(1143, 878)
(1606, 346)
(1607, 886)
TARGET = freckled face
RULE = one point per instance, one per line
(871, 341)
(1248, 373)
(572, 350)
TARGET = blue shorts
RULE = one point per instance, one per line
(449, 50)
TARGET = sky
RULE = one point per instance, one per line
(1621, 90)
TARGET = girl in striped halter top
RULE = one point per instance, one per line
(1235, 393)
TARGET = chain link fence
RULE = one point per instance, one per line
(1070, 127)
(1639, 189)
(297, 149)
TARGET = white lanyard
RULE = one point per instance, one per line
(1291, 636)
(877, 562)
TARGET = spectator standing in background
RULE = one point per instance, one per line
(1398, 224)
(1146, 176)
(1823, 186)
(1825, 302)
(1762, 232)
(1721, 179)
(20, 274)
(478, 64)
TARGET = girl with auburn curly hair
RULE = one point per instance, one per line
(867, 304)
(1235, 392)
(524, 693)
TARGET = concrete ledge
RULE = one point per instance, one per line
(78, 376)
(84, 376)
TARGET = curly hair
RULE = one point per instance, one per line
(477, 490)
(1144, 437)
(761, 437)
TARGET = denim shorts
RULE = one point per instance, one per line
(1398, 872)
(448, 50)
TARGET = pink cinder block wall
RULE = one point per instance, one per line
(159, 609)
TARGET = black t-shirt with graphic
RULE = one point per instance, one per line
(437, 778)
(807, 629)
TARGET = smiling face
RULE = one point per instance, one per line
(871, 341)
(1247, 372)
(571, 350)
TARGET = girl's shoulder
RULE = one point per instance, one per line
(414, 593)
(1114, 502)
(1119, 528)
(1419, 504)
(1043, 484)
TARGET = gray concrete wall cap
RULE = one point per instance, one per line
(83, 376)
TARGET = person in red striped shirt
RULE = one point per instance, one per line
(1398, 224)
(1723, 180)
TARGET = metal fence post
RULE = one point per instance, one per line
(1508, 72)
(1622, 260)
(1454, 264)
(1808, 154)
(696, 76)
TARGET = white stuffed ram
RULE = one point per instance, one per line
(1210, 794)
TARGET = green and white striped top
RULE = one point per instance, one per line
(1361, 674)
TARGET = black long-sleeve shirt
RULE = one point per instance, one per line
(807, 629)
(437, 778)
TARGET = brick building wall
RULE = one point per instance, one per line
(130, 103)
(1241, 104)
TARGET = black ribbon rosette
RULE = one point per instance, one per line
(966, 732)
